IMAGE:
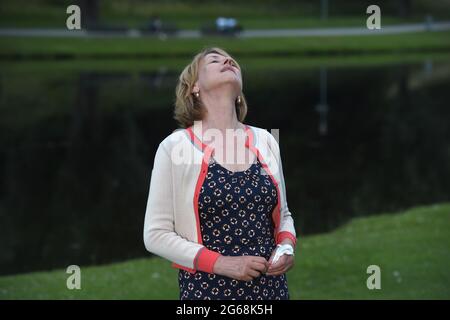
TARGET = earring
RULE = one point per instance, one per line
(239, 99)
(196, 94)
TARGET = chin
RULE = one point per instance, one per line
(232, 80)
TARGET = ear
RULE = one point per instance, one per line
(195, 88)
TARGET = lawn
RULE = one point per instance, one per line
(141, 48)
(411, 247)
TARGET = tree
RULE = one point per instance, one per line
(404, 8)
(90, 12)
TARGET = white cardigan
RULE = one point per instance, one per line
(172, 225)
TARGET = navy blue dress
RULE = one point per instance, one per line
(235, 220)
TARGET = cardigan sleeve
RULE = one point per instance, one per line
(160, 237)
(287, 228)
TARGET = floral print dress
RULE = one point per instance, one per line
(235, 211)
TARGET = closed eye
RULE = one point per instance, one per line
(232, 63)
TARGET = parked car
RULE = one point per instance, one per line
(222, 26)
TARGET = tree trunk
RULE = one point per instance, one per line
(404, 8)
(90, 13)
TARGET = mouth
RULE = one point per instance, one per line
(228, 68)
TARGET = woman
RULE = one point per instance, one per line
(218, 219)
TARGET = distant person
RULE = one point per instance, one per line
(221, 222)
(156, 24)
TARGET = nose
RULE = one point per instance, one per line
(227, 61)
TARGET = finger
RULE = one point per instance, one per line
(275, 272)
(260, 260)
(279, 264)
(278, 273)
(260, 267)
(253, 273)
(276, 266)
(287, 266)
(290, 263)
(247, 278)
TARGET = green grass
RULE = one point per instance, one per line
(411, 248)
(65, 67)
(142, 48)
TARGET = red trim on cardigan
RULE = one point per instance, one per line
(286, 235)
(202, 261)
(195, 139)
(206, 259)
(277, 216)
(201, 178)
(280, 236)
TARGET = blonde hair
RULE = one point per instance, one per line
(188, 108)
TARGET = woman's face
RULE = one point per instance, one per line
(216, 70)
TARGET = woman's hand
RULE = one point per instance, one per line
(283, 265)
(244, 268)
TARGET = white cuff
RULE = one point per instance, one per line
(281, 250)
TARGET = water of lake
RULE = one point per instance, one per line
(77, 147)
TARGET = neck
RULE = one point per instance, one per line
(220, 111)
